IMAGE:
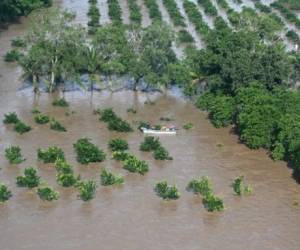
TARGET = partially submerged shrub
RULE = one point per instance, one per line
(166, 191)
(60, 102)
(239, 187)
(106, 115)
(150, 143)
(10, 118)
(41, 118)
(5, 193)
(21, 127)
(201, 186)
(114, 122)
(213, 203)
(188, 126)
(57, 126)
(87, 190)
(132, 164)
(161, 154)
(118, 144)
(29, 179)
(18, 42)
(131, 110)
(88, 152)
(65, 174)
(120, 155)
(12, 56)
(35, 110)
(108, 178)
(47, 193)
(50, 155)
(14, 155)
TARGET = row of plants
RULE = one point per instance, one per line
(153, 144)
(54, 124)
(114, 122)
(293, 37)
(184, 36)
(154, 11)
(209, 8)
(288, 14)
(135, 12)
(174, 12)
(94, 16)
(196, 18)
(19, 126)
(114, 11)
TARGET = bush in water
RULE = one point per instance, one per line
(65, 174)
(120, 155)
(213, 203)
(12, 56)
(50, 155)
(5, 193)
(166, 191)
(161, 154)
(14, 155)
(21, 127)
(118, 144)
(150, 143)
(108, 178)
(132, 164)
(60, 103)
(47, 193)
(87, 189)
(41, 119)
(55, 125)
(10, 118)
(88, 152)
(201, 186)
(29, 179)
(239, 188)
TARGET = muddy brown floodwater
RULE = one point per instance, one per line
(132, 217)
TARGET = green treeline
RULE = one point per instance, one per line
(11, 10)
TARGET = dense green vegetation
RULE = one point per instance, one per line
(209, 8)
(88, 152)
(151, 143)
(14, 155)
(50, 155)
(201, 186)
(11, 10)
(120, 155)
(5, 193)
(21, 127)
(87, 189)
(108, 178)
(174, 12)
(30, 178)
(134, 165)
(184, 36)
(10, 118)
(239, 187)
(41, 118)
(56, 125)
(288, 14)
(135, 12)
(47, 193)
(118, 144)
(167, 192)
(293, 37)
(114, 11)
(61, 102)
(94, 16)
(153, 8)
(13, 55)
(65, 174)
(213, 203)
(114, 122)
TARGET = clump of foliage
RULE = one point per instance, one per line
(35, 110)
(115, 11)
(201, 186)
(18, 42)
(150, 143)
(10, 118)
(120, 155)
(288, 14)
(50, 155)
(161, 154)
(213, 203)
(134, 165)
(88, 152)
(174, 12)
(65, 174)
(94, 16)
(154, 12)
(14, 155)
(30, 178)
(135, 12)
(13, 55)
(293, 36)
(188, 126)
(114, 122)
(131, 110)
(61, 102)
(47, 193)
(21, 127)
(209, 8)
(165, 191)
(118, 144)
(239, 187)
(87, 189)
(55, 125)
(108, 178)
(185, 37)
(5, 193)
(41, 118)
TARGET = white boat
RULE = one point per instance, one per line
(166, 131)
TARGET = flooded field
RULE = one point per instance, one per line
(131, 216)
